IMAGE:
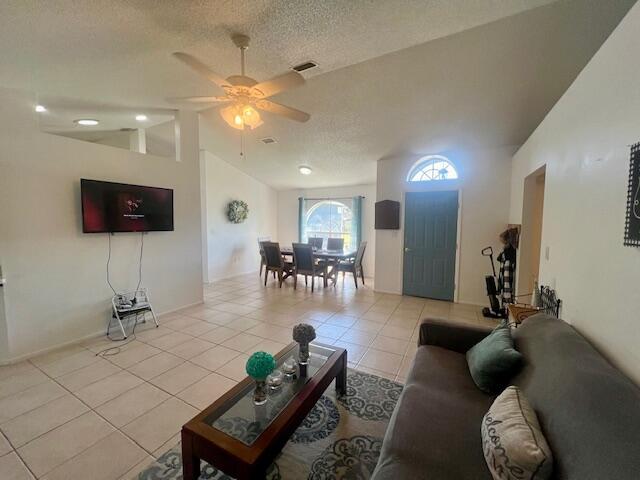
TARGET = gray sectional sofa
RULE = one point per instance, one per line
(588, 410)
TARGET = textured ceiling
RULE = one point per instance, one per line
(482, 88)
(485, 86)
(119, 50)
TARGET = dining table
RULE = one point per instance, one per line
(329, 256)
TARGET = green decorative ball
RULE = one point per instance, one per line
(259, 365)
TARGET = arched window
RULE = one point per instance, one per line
(432, 167)
(329, 219)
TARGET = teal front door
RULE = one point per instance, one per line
(430, 232)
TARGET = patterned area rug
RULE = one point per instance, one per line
(340, 438)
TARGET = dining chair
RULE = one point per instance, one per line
(334, 244)
(275, 263)
(316, 242)
(305, 264)
(353, 265)
(263, 260)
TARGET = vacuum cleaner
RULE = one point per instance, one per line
(494, 310)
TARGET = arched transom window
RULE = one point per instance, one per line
(432, 167)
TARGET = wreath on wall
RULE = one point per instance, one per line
(237, 211)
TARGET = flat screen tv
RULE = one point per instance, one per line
(120, 207)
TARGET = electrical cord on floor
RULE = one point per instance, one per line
(111, 351)
(108, 352)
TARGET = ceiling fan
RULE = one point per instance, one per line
(243, 95)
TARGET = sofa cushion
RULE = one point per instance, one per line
(434, 431)
(493, 360)
(513, 444)
(589, 411)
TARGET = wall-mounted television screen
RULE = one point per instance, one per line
(120, 207)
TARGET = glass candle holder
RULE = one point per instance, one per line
(289, 366)
(274, 381)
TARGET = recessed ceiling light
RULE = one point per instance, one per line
(304, 170)
(87, 122)
(141, 118)
(40, 108)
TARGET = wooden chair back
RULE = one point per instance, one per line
(316, 242)
(272, 254)
(335, 243)
(261, 240)
(360, 254)
(303, 257)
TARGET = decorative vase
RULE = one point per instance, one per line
(260, 392)
(259, 366)
(303, 333)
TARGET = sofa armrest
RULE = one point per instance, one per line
(458, 338)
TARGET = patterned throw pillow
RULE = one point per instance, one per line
(512, 441)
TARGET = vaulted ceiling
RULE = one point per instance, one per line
(399, 76)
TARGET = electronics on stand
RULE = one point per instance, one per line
(109, 207)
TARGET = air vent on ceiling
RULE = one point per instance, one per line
(268, 140)
(126, 129)
(305, 66)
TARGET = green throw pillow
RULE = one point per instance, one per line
(493, 360)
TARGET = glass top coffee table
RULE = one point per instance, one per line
(242, 439)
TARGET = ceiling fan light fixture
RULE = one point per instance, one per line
(244, 94)
(241, 116)
(232, 117)
(251, 117)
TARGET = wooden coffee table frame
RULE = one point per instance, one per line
(201, 441)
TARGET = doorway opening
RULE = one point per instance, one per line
(531, 232)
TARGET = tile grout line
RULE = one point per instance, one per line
(90, 410)
(339, 307)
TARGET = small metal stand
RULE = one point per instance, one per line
(131, 303)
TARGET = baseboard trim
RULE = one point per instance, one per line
(27, 356)
(229, 277)
(387, 292)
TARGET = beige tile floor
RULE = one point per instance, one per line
(72, 413)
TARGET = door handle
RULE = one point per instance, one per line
(407, 249)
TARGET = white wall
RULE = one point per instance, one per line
(56, 291)
(584, 143)
(484, 186)
(288, 215)
(232, 249)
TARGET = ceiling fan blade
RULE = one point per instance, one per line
(218, 99)
(277, 84)
(201, 68)
(288, 112)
